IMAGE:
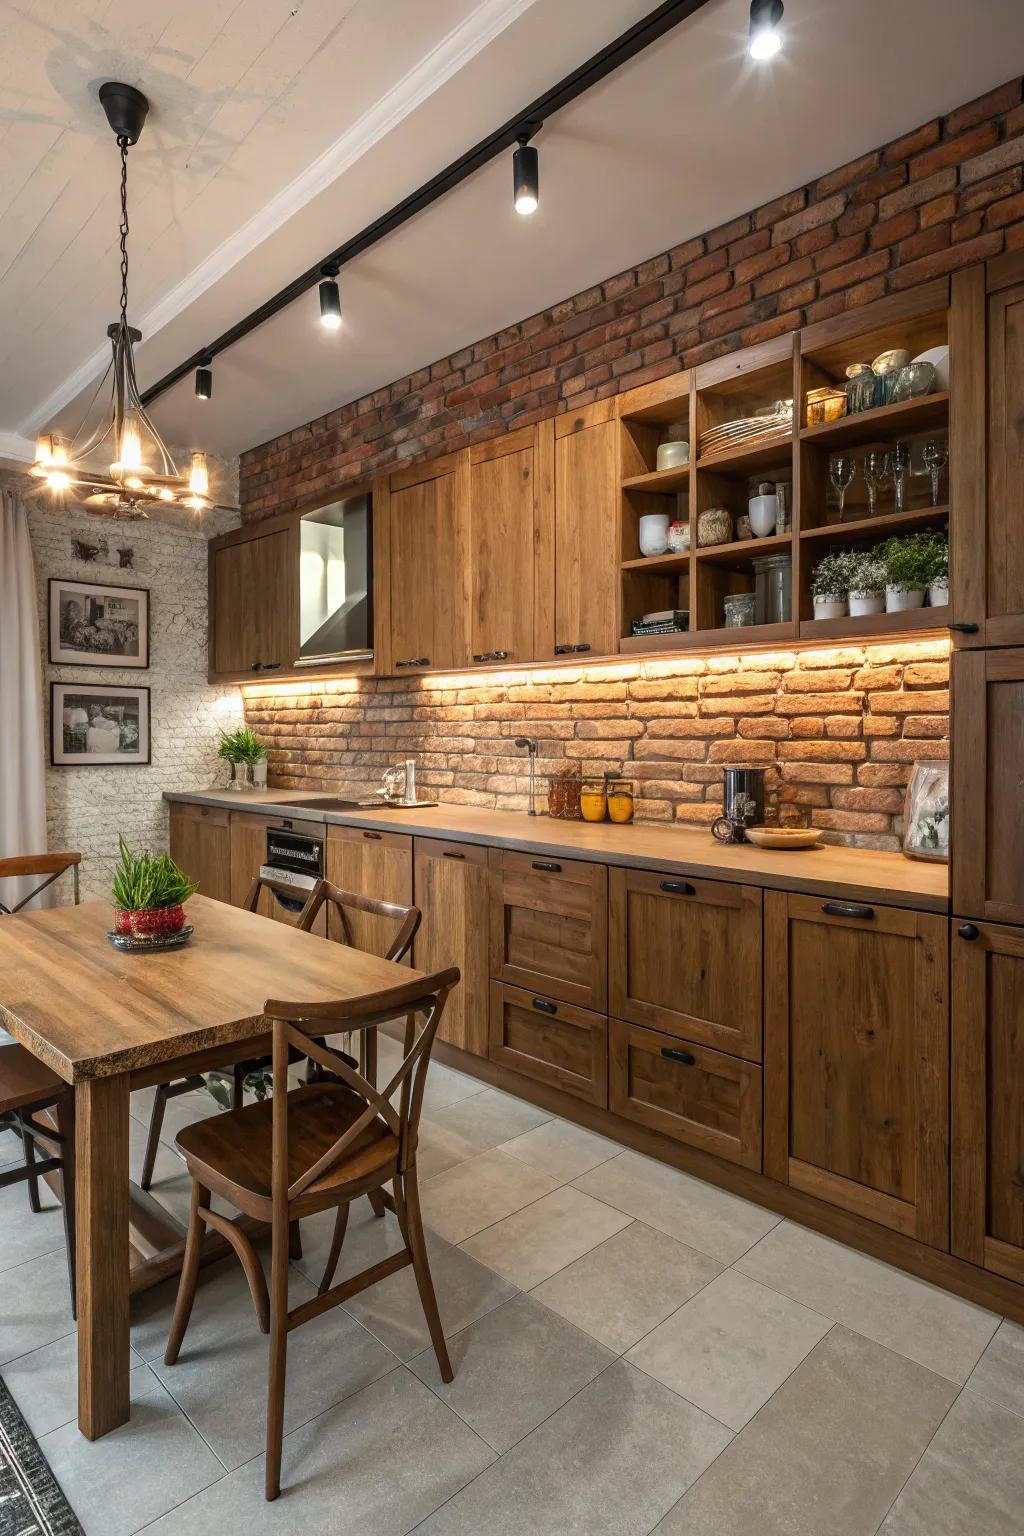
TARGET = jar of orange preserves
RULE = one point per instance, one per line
(620, 800)
(593, 800)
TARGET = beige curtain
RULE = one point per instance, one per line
(22, 715)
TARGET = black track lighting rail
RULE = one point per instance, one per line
(597, 68)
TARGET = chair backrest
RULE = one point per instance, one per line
(263, 883)
(50, 865)
(345, 903)
(295, 1022)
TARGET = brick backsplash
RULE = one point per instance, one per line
(944, 196)
(840, 730)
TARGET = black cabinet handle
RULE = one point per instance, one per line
(449, 854)
(372, 836)
(847, 909)
(965, 629)
(491, 656)
(571, 650)
(969, 931)
(265, 666)
(414, 661)
(686, 1057)
(543, 1006)
(549, 868)
(678, 887)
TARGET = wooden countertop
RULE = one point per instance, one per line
(846, 873)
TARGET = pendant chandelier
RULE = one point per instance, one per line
(139, 471)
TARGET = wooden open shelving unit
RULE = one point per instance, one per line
(747, 383)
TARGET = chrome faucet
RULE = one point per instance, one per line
(530, 745)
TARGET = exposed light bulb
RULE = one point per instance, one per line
(133, 483)
(199, 477)
(130, 454)
(58, 479)
(765, 38)
(166, 494)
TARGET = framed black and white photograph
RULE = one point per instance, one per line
(98, 625)
(98, 725)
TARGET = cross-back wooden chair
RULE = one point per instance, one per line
(49, 865)
(310, 1149)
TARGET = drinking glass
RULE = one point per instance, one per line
(900, 471)
(876, 469)
(935, 456)
(841, 469)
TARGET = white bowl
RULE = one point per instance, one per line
(939, 359)
(673, 455)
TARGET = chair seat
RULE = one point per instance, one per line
(24, 1079)
(231, 1153)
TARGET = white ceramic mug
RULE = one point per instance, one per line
(654, 533)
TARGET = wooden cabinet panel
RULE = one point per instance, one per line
(371, 864)
(988, 1097)
(586, 539)
(200, 843)
(701, 1097)
(549, 925)
(511, 510)
(428, 514)
(552, 1042)
(987, 817)
(254, 603)
(857, 1059)
(450, 882)
(685, 956)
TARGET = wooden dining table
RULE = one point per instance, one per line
(109, 1022)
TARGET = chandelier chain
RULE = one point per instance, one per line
(123, 146)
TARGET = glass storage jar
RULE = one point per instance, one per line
(564, 795)
(594, 800)
(620, 800)
(739, 610)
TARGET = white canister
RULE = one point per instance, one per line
(673, 455)
(830, 608)
(938, 594)
(763, 512)
(863, 603)
(654, 533)
(898, 600)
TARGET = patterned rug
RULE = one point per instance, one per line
(31, 1503)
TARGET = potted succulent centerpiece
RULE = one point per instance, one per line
(909, 563)
(243, 749)
(830, 584)
(149, 895)
(867, 577)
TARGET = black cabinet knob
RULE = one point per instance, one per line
(965, 629)
(969, 931)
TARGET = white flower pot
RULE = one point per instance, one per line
(898, 600)
(654, 533)
(938, 594)
(830, 608)
(862, 603)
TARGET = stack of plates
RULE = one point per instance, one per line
(749, 430)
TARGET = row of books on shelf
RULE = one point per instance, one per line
(670, 621)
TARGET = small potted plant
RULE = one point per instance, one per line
(830, 584)
(243, 749)
(867, 576)
(149, 894)
(909, 563)
(938, 584)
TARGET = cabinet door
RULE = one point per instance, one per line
(253, 592)
(549, 926)
(988, 1097)
(551, 1042)
(987, 818)
(511, 510)
(248, 853)
(694, 1095)
(450, 883)
(586, 531)
(199, 842)
(428, 514)
(370, 864)
(685, 956)
(857, 1059)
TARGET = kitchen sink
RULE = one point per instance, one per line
(327, 803)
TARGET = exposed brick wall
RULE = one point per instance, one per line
(944, 196)
(839, 728)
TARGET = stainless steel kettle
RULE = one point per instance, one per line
(742, 804)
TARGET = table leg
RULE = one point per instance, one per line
(101, 1142)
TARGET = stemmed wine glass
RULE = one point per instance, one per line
(900, 466)
(935, 457)
(841, 469)
(876, 469)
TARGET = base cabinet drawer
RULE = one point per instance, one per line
(549, 926)
(552, 1042)
(686, 1091)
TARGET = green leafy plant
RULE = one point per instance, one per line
(241, 746)
(219, 1086)
(830, 579)
(912, 560)
(867, 572)
(147, 882)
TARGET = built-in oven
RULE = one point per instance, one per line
(295, 859)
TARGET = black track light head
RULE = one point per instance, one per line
(204, 379)
(765, 38)
(526, 172)
(330, 299)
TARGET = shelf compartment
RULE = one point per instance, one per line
(884, 524)
(871, 625)
(745, 458)
(663, 482)
(656, 563)
(742, 551)
(747, 634)
(883, 424)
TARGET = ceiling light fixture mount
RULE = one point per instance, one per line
(765, 37)
(142, 470)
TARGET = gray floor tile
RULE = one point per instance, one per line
(563, 1150)
(544, 1237)
(444, 1085)
(368, 1239)
(970, 1479)
(135, 1474)
(513, 1369)
(44, 1383)
(607, 1464)
(706, 1218)
(376, 1464)
(626, 1286)
(476, 1194)
(482, 1121)
(895, 1309)
(223, 1309)
(999, 1374)
(36, 1306)
(827, 1454)
(731, 1347)
(28, 1234)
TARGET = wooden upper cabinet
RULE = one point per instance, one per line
(254, 624)
(451, 885)
(856, 1059)
(987, 801)
(988, 1097)
(586, 578)
(200, 843)
(511, 527)
(427, 570)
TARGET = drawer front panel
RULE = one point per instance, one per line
(686, 1091)
(685, 957)
(552, 1042)
(549, 924)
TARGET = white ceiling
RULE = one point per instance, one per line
(281, 127)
